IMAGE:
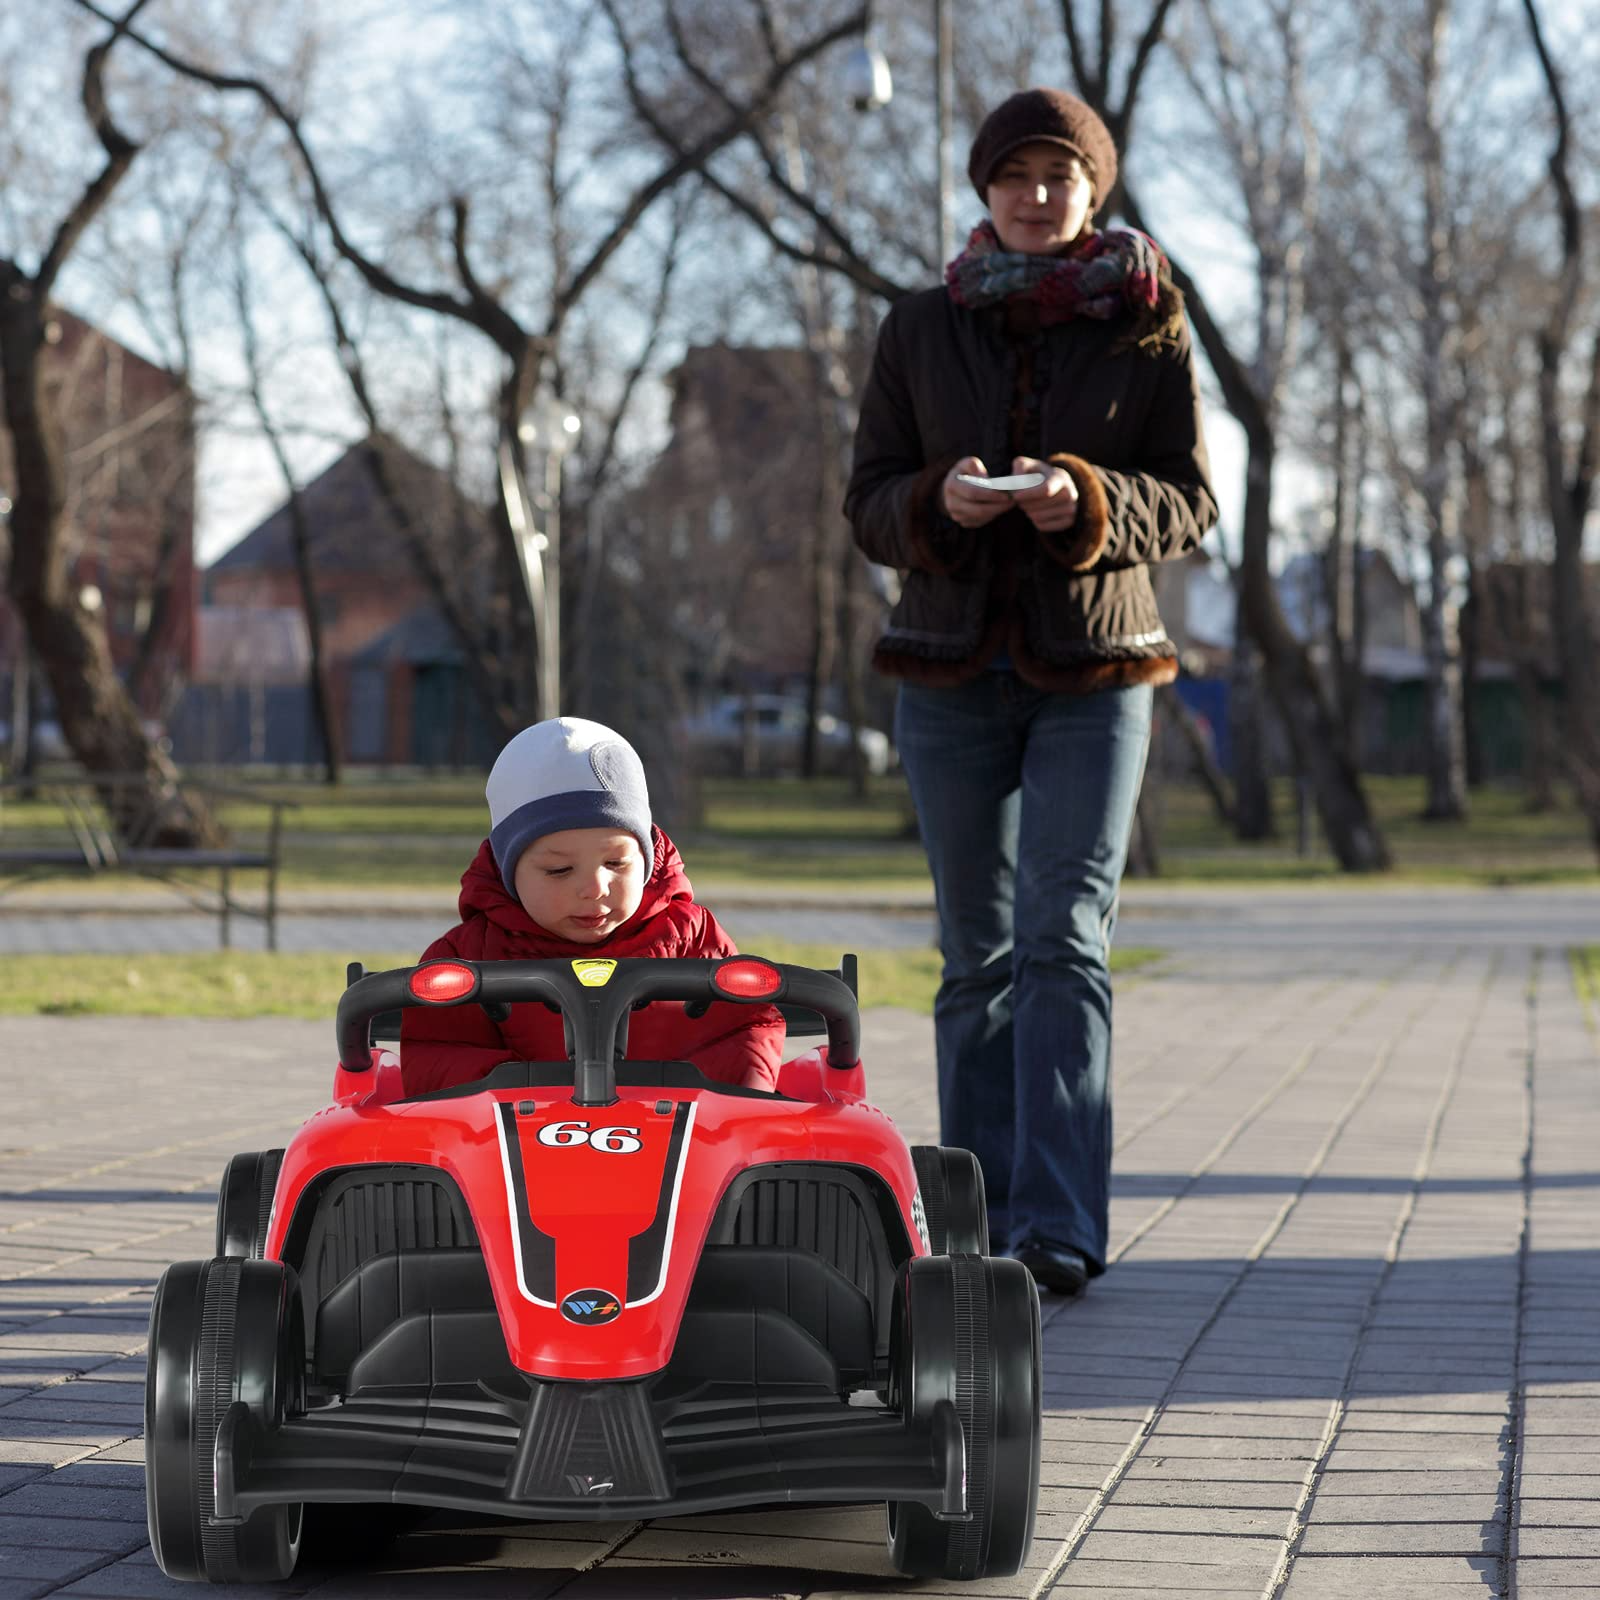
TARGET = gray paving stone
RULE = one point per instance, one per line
(1229, 1520)
(1566, 1541)
(1153, 1578)
(1536, 1513)
(1400, 1577)
(1403, 1538)
(1568, 1574)
(1330, 1506)
(1134, 1492)
(55, 1497)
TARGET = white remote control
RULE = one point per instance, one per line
(1017, 480)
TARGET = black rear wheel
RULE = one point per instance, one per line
(966, 1330)
(244, 1203)
(220, 1331)
(950, 1182)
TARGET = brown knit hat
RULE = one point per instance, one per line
(1055, 117)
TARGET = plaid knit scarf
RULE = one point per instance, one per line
(1112, 273)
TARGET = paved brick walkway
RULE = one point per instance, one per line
(1350, 1345)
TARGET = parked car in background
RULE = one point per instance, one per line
(764, 735)
(50, 743)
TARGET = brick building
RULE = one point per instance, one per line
(128, 448)
(397, 682)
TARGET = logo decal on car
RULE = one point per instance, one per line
(919, 1218)
(590, 1307)
(594, 972)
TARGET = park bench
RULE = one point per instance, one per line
(77, 837)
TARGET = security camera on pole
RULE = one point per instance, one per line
(869, 85)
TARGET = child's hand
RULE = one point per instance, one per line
(1053, 506)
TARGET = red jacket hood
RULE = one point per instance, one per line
(448, 1045)
(484, 894)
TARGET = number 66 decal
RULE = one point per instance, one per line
(613, 1141)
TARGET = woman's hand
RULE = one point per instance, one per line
(1053, 506)
(967, 505)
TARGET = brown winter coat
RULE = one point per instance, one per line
(1073, 611)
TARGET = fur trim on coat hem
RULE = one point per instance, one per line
(1081, 677)
(1081, 545)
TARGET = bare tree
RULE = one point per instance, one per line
(1570, 474)
(299, 526)
(98, 719)
(525, 350)
(1416, 53)
(1265, 124)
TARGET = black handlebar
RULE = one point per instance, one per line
(596, 1012)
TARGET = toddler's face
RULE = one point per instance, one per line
(581, 883)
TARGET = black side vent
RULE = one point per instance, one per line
(373, 1211)
(846, 1216)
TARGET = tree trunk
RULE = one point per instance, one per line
(1201, 753)
(19, 745)
(299, 529)
(1446, 765)
(1144, 841)
(851, 668)
(1538, 766)
(1569, 497)
(1302, 701)
(98, 720)
(1471, 662)
(1253, 815)
(1344, 577)
(306, 578)
(150, 684)
(1444, 744)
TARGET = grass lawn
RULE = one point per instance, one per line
(419, 833)
(1586, 974)
(254, 984)
(787, 833)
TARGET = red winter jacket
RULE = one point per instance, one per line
(458, 1044)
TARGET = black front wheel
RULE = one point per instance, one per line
(950, 1182)
(966, 1330)
(220, 1331)
(244, 1203)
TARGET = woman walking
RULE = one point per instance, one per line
(1027, 642)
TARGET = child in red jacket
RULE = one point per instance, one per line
(573, 866)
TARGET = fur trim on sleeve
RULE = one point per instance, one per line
(939, 544)
(1081, 545)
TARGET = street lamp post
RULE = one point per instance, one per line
(945, 74)
(552, 428)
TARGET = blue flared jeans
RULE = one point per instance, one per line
(1026, 800)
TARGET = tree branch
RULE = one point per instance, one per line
(1238, 391)
(848, 261)
(431, 570)
(697, 155)
(848, 264)
(1078, 56)
(120, 151)
(378, 277)
(1142, 54)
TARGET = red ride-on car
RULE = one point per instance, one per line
(594, 1289)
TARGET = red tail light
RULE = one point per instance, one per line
(746, 978)
(441, 982)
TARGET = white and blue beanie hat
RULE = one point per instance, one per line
(565, 773)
